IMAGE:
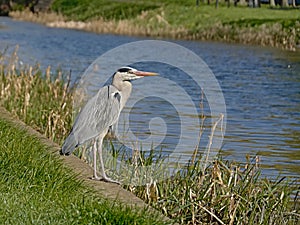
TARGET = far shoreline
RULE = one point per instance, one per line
(126, 27)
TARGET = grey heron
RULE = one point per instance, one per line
(101, 112)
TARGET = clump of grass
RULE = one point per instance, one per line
(41, 100)
(217, 192)
(35, 188)
(224, 193)
(43, 18)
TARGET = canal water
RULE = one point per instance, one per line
(261, 88)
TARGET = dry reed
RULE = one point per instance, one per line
(43, 101)
(227, 193)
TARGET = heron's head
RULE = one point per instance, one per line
(128, 73)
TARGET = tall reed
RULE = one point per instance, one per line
(225, 193)
(40, 99)
(221, 192)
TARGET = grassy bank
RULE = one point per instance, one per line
(224, 193)
(178, 19)
(35, 188)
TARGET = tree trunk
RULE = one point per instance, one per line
(242, 2)
(285, 3)
(272, 3)
(251, 3)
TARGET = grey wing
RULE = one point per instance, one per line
(96, 116)
(112, 110)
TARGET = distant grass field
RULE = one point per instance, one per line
(265, 26)
(35, 188)
(176, 12)
(183, 19)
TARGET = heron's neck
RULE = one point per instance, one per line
(125, 88)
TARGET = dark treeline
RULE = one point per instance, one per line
(33, 5)
(254, 3)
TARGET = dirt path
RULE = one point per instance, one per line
(108, 190)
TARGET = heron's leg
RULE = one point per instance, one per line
(104, 177)
(95, 160)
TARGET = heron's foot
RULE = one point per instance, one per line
(107, 179)
(95, 177)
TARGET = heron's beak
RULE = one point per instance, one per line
(144, 73)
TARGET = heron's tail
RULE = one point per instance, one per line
(69, 145)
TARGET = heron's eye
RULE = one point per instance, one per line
(124, 70)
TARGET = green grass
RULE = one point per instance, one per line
(35, 188)
(176, 12)
(207, 15)
(83, 10)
